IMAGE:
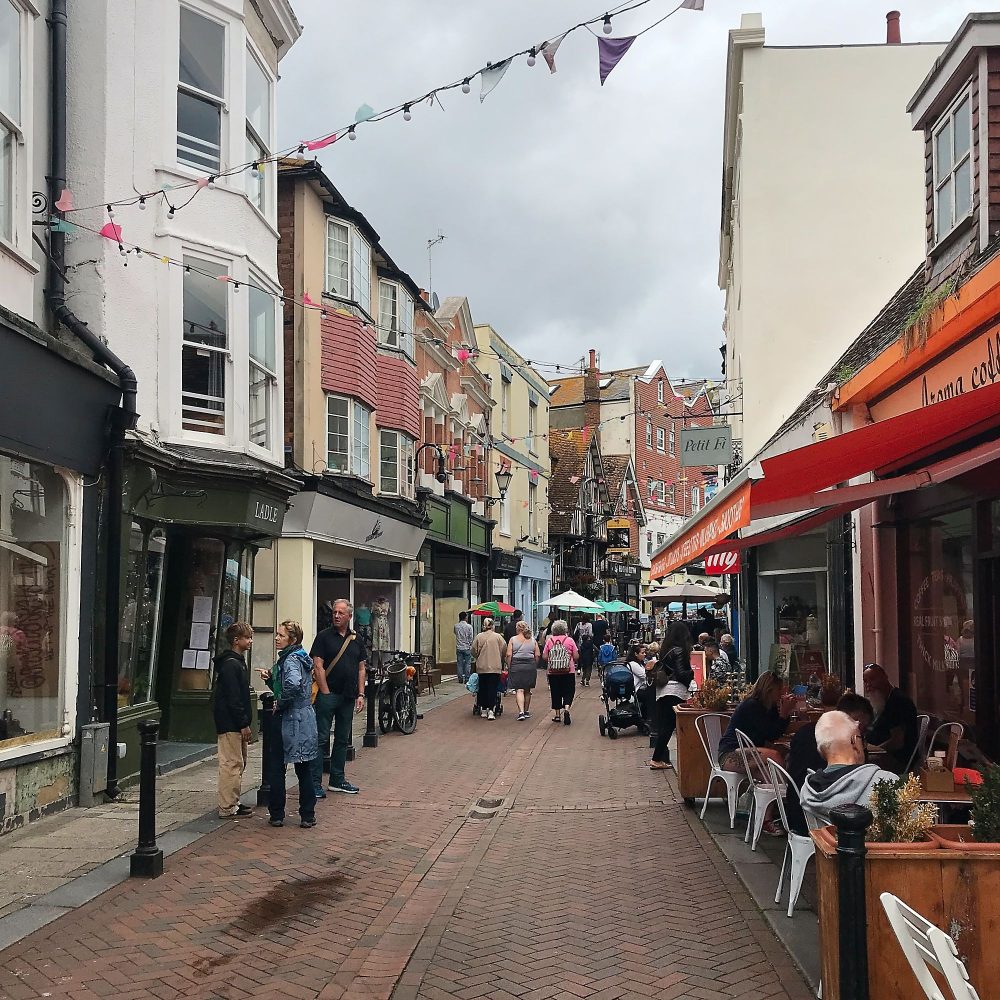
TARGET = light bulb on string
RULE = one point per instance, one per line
(255, 169)
(351, 134)
(111, 212)
(531, 58)
(466, 86)
(211, 181)
(607, 24)
(171, 213)
(407, 114)
(142, 204)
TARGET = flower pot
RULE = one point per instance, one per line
(826, 837)
(959, 837)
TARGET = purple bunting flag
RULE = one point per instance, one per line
(611, 51)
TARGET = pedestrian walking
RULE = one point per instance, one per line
(292, 737)
(339, 659)
(231, 709)
(671, 676)
(522, 657)
(588, 653)
(463, 647)
(488, 652)
(599, 629)
(510, 629)
(561, 655)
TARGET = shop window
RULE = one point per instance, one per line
(941, 617)
(376, 607)
(263, 373)
(32, 552)
(140, 623)
(201, 620)
(800, 638)
(205, 347)
(201, 91)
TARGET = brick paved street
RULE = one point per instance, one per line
(482, 859)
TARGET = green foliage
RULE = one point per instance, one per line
(916, 326)
(899, 818)
(986, 807)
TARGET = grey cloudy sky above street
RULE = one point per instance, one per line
(576, 216)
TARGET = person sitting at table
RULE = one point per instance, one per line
(846, 779)
(896, 728)
(804, 755)
(762, 716)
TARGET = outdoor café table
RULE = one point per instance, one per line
(958, 797)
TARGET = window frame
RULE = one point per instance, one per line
(673, 439)
(264, 144)
(695, 499)
(505, 405)
(649, 434)
(661, 440)
(659, 391)
(404, 317)
(354, 236)
(947, 120)
(354, 456)
(220, 101)
(405, 447)
(532, 426)
(669, 496)
(504, 519)
(532, 509)
(20, 131)
(270, 376)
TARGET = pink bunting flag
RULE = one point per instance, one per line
(222, 277)
(533, 476)
(464, 354)
(110, 231)
(524, 504)
(202, 182)
(611, 51)
(65, 202)
(549, 50)
(321, 143)
(306, 301)
(574, 479)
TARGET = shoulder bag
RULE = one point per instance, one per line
(329, 669)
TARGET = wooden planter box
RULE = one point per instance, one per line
(955, 889)
(689, 761)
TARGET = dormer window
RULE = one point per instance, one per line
(953, 167)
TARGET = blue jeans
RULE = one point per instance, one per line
(336, 712)
(463, 667)
(274, 772)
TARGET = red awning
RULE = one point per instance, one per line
(806, 479)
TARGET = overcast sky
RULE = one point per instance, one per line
(576, 216)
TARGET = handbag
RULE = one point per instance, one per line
(329, 669)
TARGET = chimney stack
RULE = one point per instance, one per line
(892, 28)
(591, 395)
(593, 360)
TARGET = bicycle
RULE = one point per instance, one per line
(396, 693)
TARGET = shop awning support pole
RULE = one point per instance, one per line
(122, 418)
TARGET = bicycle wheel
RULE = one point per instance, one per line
(404, 709)
(385, 711)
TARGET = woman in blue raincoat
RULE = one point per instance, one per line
(293, 738)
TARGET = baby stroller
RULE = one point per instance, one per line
(620, 702)
(477, 709)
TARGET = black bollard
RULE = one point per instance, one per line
(266, 720)
(147, 859)
(371, 733)
(851, 823)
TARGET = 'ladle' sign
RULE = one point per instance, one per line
(722, 564)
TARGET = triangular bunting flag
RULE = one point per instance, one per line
(320, 143)
(491, 76)
(363, 113)
(111, 232)
(693, 5)
(611, 51)
(549, 50)
(65, 202)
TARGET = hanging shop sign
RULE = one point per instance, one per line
(722, 564)
(506, 563)
(619, 536)
(706, 446)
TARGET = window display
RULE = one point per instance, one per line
(799, 649)
(32, 543)
(206, 557)
(141, 609)
(376, 605)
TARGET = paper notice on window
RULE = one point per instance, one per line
(189, 659)
(202, 609)
(199, 635)
(204, 660)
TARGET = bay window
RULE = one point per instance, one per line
(258, 129)
(201, 91)
(349, 264)
(396, 473)
(263, 371)
(395, 317)
(205, 347)
(10, 111)
(348, 426)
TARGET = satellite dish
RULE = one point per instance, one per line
(435, 301)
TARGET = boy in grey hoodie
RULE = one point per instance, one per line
(846, 779)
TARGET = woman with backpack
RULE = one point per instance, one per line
(671, 677)
(560, 655)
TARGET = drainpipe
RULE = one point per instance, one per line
(121, 418)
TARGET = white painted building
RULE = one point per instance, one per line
(822, 218)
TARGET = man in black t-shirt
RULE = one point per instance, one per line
(896, 728)
(341, 694)
(600, 631)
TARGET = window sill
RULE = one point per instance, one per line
(18, 257)
(355, 307)
(955, 234)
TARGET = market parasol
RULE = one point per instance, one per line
(616, 607)
(688, 592)
(573, 601)
(493, 609)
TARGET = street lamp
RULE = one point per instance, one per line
(503, 477)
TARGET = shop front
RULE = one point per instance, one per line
(506, 567)
(49, 451)
(533, 586)
(456, 564)
(192, 529)
(340, 544)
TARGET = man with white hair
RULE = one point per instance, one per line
(846, 779)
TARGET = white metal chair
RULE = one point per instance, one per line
(920, 750)
(764, 792)
(949, 733)
(925, 945)
(710, 728)
(800, 848)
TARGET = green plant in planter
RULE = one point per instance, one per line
(986, 807)
(898, 815)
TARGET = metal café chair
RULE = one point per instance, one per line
(800, 848)
(710, 728)
(920, 749)
(764, 791)
(927, 947)
(949, 733)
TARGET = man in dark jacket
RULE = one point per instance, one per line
(231, 707)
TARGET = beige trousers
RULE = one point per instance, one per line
(232, 763)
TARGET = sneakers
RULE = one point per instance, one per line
(527, 715)
(307, 824)
(243, 811)
(490, 715)
(521, 717)
(275, 822)
(566, 719)
(320, 792)
(346, 788)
